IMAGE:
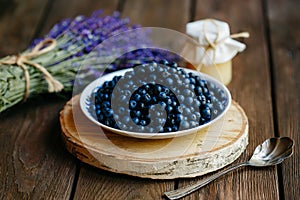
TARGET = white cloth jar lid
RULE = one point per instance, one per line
(214, 36)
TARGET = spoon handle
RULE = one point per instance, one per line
(181, 192)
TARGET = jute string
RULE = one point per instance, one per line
(212, 44)
(24, 59)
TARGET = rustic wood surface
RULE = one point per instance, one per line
(284, 22)
(34, 163)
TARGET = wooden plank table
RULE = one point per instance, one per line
(34, 163)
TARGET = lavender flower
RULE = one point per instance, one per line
(76, 42)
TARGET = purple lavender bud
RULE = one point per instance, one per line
(97, 13)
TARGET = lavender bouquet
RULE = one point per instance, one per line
(51, 63)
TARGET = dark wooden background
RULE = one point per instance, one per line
(34, 163)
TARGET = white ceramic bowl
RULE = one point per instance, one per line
(85, 104)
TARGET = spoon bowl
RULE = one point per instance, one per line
(271, 152)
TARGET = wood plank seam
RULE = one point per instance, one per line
(267, 30)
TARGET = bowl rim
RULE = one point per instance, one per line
(87, 91)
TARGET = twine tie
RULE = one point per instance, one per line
(22, 60)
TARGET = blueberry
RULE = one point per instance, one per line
(215, 112)
(108, 84)
(107, 112)
(106, 122)
(163, 104)
(121, 110)
(205, 91)
(169, 101)
(132, 104)
(137, 113)
(197, 102)
(151, 130)
(123, 98)
(180, 98)
(165, 74)
(162, 95)
(202, 99)
(152, 77)
(160, 69)
(174, 104)
(180, 109)
(187, 111)
(174, 128)
(139, 70)
(185, 124)
(213, 99)
(151, 68)
(142, 106)
(143, 122)
(179, 82)
(175, 76)
(186, 81)
(104, 96)
(193, 116)
(192, 80)
(158, 88)
(135, 120)
(167, 129)
(126, 92)
(100, 116)
(198, 90)
(166, 90)
(137, 97)
(189, 100)
(147, 87)
(179, 117)
(193, 124)
(220, 106)
(164, 62)
(106, 104)
(161, 120)
(169, 81)
(203, 83)
(198, 115)
(116, 117)
(206, 113)
(143, 91)
(154, 99)
(126, 119)
(202, 121)
(147, 97)
(173, 64)
(169, 108)
(187, 92)
(98, 106)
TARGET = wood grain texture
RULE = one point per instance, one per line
(158, 13)
(99, 184)
(186, 156)
(34, 164)
(18, 22)
(284, 20)
(251, 87)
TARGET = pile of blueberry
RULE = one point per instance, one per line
(157, 97)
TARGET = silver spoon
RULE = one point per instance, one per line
(271, 152)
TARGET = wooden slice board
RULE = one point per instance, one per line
(186, 156)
